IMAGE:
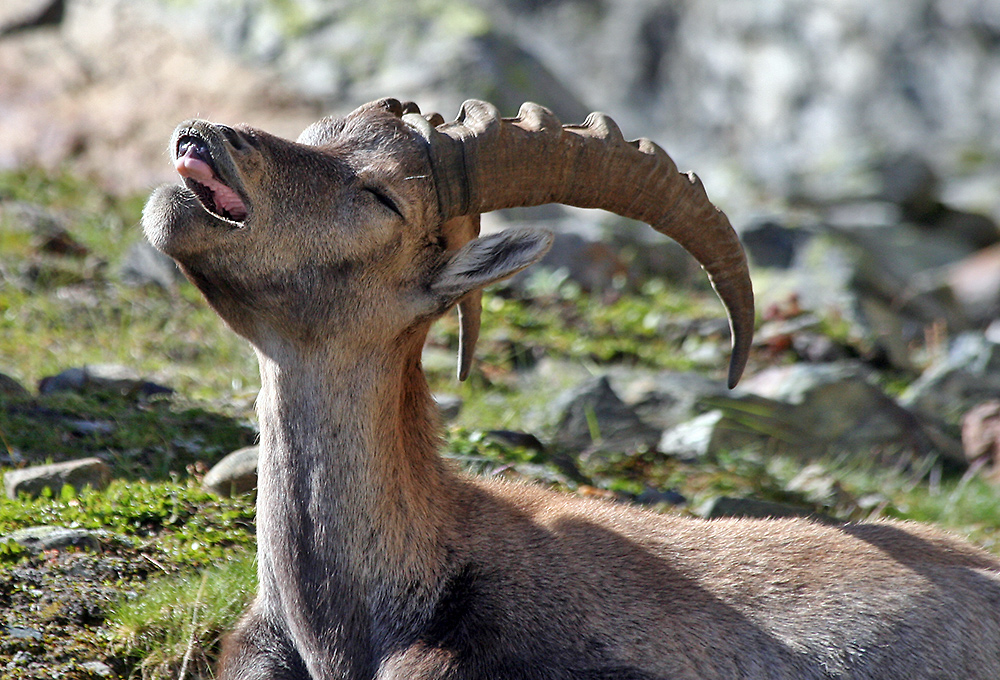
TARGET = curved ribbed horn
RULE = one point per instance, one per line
(482, 162)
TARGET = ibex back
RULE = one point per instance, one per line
(333, 255)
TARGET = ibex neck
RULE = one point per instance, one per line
(352, 498)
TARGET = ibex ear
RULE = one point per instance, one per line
(487, 259)
(477, 264)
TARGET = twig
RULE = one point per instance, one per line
(194, 628)
(155, 563)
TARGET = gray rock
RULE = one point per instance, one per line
(771, 244)
(968, 375)
(31, 218)
(706, 436)
(524, 440)
(90, 427)
(79, 474)
(23, 16)
(144, 264)
(669, 398)
(592, 417)
(449, 405)
(726, 506)
(813, 388)
(99, 668)
(44, 538)
(24, 633)
(651, 496)
(234, 474)
(803, 410)
(886, 279)
(835, 408)
(101, 377)
(910, 182)
(974, 229)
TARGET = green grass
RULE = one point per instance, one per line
(181, 559)
(173, 337)
(647, 329)
(182, 524)
(174, 629)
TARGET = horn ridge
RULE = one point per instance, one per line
(483, 162)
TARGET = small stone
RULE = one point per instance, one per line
(45, 538)
(33, 15)
(726, 506)
(968, 375)
(90, 427)
(593, 417)
(651, 496)
(101, 378)
(234, 474)
(524, 440)
(770, 244)
(668, 398)
(910, 182)
(143, 264)
(706, 436)
(449, 405)
(92, 472)
(99, 668)
(12, 388)
(23, 633)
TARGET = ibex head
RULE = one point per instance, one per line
(368, 224)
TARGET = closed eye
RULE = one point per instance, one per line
(384, 200)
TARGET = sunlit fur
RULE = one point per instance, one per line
(378, 560)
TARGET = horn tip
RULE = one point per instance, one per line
(741, 352)
(736, 366)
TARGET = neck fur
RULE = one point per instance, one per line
(352, 497)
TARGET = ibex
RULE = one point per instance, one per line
(333, 255)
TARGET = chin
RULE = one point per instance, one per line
(175, 223)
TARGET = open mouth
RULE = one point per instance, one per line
(194, 164)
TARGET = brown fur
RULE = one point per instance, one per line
(377, 560)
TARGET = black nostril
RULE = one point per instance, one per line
(193, 144)
(233, 137)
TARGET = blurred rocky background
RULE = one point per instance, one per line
(770, 99)
(854, 144)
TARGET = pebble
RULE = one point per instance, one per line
(101, 377)
(235, 474)
(44, 538)
(92, 472)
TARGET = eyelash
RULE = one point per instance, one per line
(384, 200)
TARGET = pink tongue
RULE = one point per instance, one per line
(225, 198)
